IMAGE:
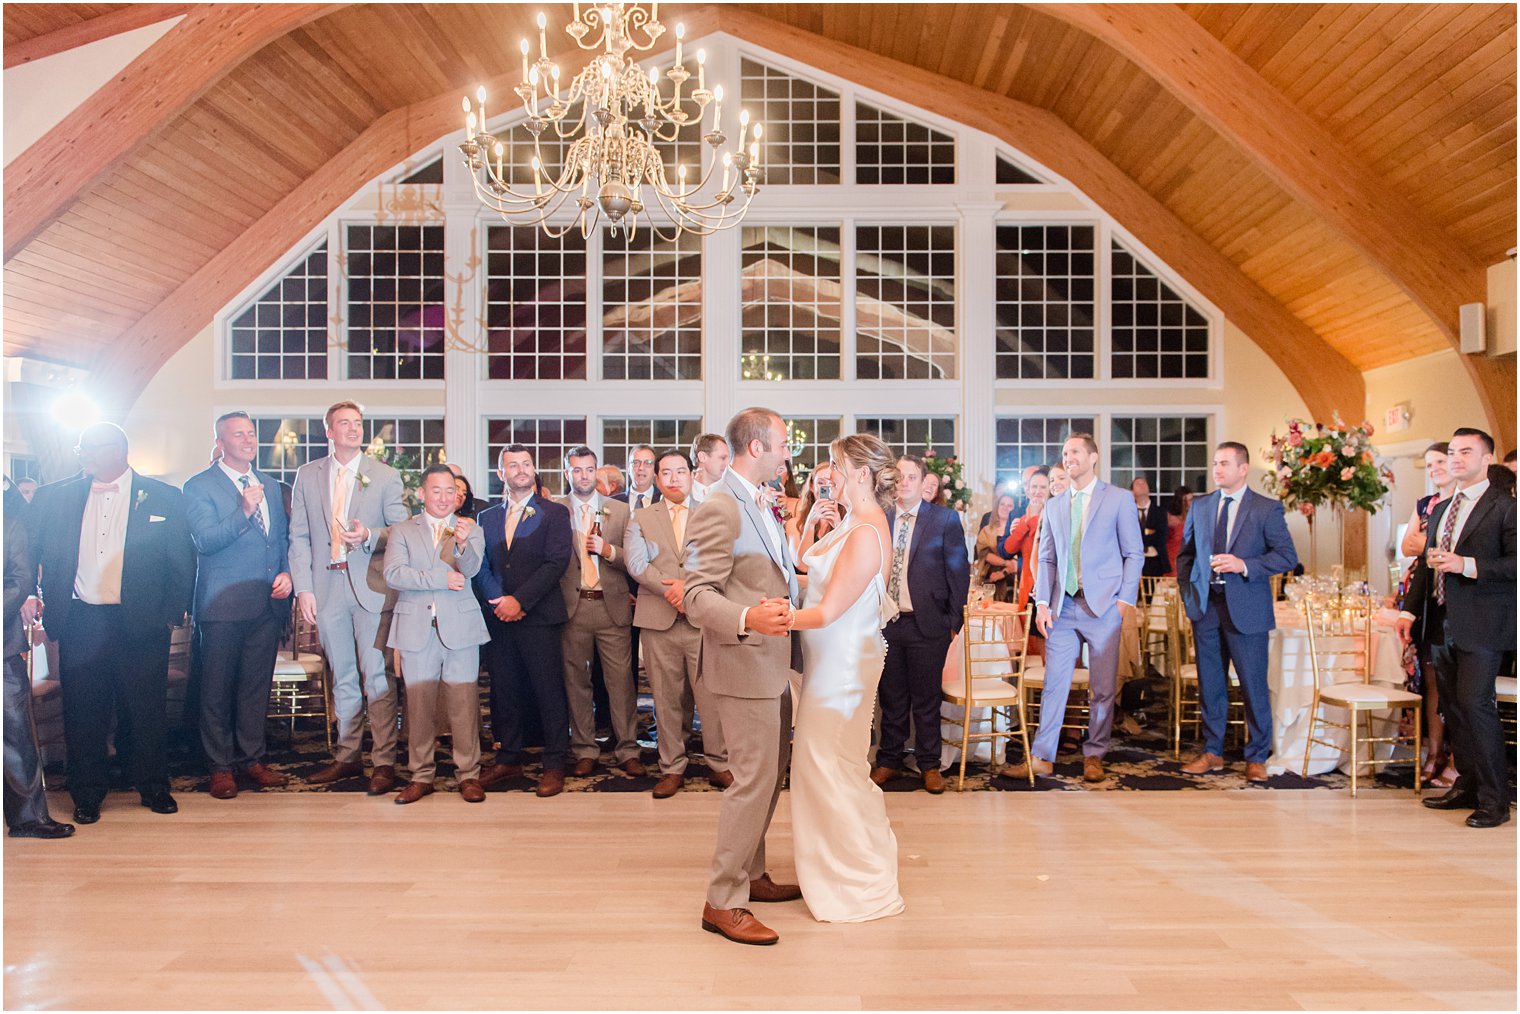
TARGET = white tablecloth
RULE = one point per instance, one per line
(1290, 677)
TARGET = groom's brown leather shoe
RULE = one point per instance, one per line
(669, 786)
(720, 779)
(882, 776)
(1041, 767)
(934, 782)
(738, 925)
(766, 889)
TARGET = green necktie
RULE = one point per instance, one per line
(1074, 558)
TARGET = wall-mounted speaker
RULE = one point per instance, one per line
(1474, 328)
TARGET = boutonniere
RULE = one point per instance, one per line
(528, 512)
(600, 513)
(138, 500)
(363, 481)
(448, 533)
(779, 512)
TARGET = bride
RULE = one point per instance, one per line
(845, 851)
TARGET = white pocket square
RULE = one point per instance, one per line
(156, 517)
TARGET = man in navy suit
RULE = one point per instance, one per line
(242, 602)
(1152, 517)
(527, 550)
(1233, 541)
(118, 569)
(1089, 576)
(930, 577)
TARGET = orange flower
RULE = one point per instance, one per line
(1324, 459)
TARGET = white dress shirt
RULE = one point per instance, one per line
(582, 517)
(237, 480)
(772, 532)
(910, 518)
(103, 544)
(1087, 502)
(699, 491)
(634, 496)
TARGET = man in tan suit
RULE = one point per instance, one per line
(672, 646)
(595, 586)
(438, 628)
(739, 579)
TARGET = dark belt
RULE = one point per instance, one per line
(587, 593)
(340, 565)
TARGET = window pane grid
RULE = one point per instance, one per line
(1045, 292)
(801, 144)
(1157, 333)
(652, 308)
(621, 436)
(1009, 172)
(420, 440)
(282, 335)
(549, 439)
(1023, 441)
(808, 438)
(912, 435)
(395, 302)
(789, 282)
(905, 302)
(1167, 451)
(890, 149)
(535, 304)
(287, 444)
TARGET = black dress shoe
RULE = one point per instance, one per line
(87, 812)
(42, 829)
(159, 801)
(1452, 799)
(1488, 818)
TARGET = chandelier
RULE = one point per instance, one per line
(618, 116)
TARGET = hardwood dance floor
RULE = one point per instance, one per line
(1044, 900)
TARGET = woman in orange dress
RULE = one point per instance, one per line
(1024, 541)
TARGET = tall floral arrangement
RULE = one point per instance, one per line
(1315, 466)
(952, 486)
(411, 474)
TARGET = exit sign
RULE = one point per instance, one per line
(1396, 418)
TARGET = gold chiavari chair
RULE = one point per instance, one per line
(993, 647)
(1155, 646)
(1340, 655)
(1186, 704)
(1504, 691)
(301, 687)
(1032, 686)
(1276, 583)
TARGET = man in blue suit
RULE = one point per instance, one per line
(242, 602)
(527, 550)
(1227, 590)
(929, 579)
(1091, 554)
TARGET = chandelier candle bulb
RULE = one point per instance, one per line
(680, 34)
(543, 45)
(523, 47)
(718, 110)
(701, 70)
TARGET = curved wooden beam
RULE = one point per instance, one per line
(44, 180)
(125, 19)
(1325, 378)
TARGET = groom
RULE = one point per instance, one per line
(739, 579)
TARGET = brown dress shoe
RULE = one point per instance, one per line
(414, 791)
(471, 791)
(634, 767)
(1256, 772)
(266, 778)
(720, 779)
(766, 889)
(1041, 767)
(738, 925)
(882, 776)
(1092, 769)
(336, 772)
(583, 767)
(552, 783)
(498, 773)
(383, 780)
(1203, 764)
(223, 785)
(934, 782)
(669, 786)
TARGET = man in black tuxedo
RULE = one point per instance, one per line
(1464, 602)
(527, 549)
(1152, 529)
(930, 578)
(118, 569)
(26, 805)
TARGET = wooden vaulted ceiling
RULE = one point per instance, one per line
(1363, 221)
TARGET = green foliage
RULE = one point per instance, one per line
(1315, 466)
(953, 490)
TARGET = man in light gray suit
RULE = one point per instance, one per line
(1091, 555)
(739, 581)
(672, 646)
(340, 508)
(595, 586)
(438, 628)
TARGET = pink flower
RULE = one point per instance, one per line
(1347, 473)
(1348, 451)
(1367, 428)
(1306, 509)
(1285, 473)
(1295, 439)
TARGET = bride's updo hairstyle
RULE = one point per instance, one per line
(862, 450)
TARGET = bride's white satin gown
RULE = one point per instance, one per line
(845, 850)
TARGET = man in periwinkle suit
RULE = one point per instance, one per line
(1233, 541)
(339, 512)
(438, 628)
(1091, 554)
(739, 580)
(242, 602)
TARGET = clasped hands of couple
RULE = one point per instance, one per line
(772, 617)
